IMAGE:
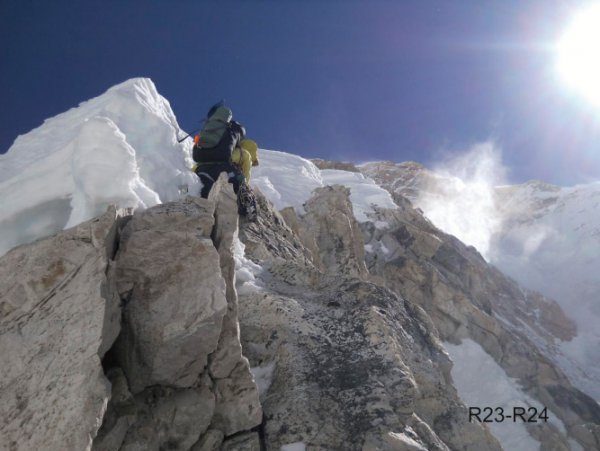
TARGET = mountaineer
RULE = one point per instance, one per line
(221, 147)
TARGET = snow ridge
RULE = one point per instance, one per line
(119, 148)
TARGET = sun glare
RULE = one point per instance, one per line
(579, 54)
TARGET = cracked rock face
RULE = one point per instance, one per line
(355, 354)
(174, 301)
(59, 315)
(347, 344)
(337, 238)
(180, 352)
(175, 378)
(466, 298)
(354, 365)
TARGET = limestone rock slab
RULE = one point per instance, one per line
(210, 441)
(243, 442)
(59, 313)
(353, 363)
(169, 277)
(330, 219)
(237, 402)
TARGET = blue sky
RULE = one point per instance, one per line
(344, 80)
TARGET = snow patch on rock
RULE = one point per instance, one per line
(245, 270)
(288, 181)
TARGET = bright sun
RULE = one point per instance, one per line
(579, 54)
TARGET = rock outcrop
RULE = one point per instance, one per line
(179, 349)
(330, 164)
(355, 356)
(174, 301)
(162, 281)
(128, 333)
(59, 315)
(354, 366)
(543, 236)
(330, 233)
(467, 298)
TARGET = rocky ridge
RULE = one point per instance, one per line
(543, 236)
(447, 292)
(354, 365)
(346, 329)
(122, 334)
(467, 298)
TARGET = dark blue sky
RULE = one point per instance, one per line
(397, 80)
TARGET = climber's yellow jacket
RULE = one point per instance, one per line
(245, 156)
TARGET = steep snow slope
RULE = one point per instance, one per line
(118, 148)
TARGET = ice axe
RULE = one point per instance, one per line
(187, 136)
(190, 133)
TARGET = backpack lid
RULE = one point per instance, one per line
(221, 114)
(214, 108)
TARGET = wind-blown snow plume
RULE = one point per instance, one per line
(544, 236)
(460, 199)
